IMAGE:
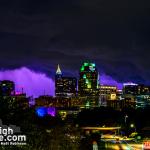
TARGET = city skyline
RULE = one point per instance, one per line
(36, 83)
(75, 74)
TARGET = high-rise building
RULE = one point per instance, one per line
(58, 82)
(65, 86)
(7, 88)
(88, 85)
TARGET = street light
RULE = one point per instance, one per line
(133, 126)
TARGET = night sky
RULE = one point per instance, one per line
(36, 35)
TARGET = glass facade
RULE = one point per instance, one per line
(88, 84)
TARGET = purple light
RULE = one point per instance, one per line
(32, 83)
(51, 111)
(107, 80)
(36, 84)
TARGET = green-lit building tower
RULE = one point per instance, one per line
(88, 85)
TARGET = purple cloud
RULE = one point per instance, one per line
(107, 80)
(33, 83)
(36, 84)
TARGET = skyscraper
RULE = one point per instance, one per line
(88, 85)
(65, 86)
(58, 82)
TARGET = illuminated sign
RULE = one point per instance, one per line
(113, 96)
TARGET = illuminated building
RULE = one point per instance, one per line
(88, 85)
(139, 95)
(143, 90)
(121, 104)
(135, 89)
(69, 86)
(143, 101)
(130, 89)
(21, 100)
(65, 86)
(14, 100)
(47, 101)
(7, 88)
(58, 82)
(107, 93)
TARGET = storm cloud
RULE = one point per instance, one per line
(113, 34)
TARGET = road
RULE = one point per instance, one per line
(123, 145)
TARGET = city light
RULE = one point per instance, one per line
(41, 111)
(51, 111)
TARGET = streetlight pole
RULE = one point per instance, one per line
(125, 118)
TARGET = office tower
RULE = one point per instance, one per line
(65, 86)
(130, 89)
(7, 88)
(58, 82)
(88, 85)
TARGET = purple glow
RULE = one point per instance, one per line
(51, 111)
(32, 83)
(107, 80)
(36, 84)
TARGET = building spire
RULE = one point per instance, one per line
(58, 71)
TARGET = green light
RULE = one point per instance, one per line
(84, 76)
(89, 86)
(93, 65)
(87, 104)
(87, 81)
(86, 64)
(97, 85)
(82, 68)
(92, 68)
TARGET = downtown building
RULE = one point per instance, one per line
(88, 85)
(65, 87)
(133, 96)
(10, 97)
(137, 94)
